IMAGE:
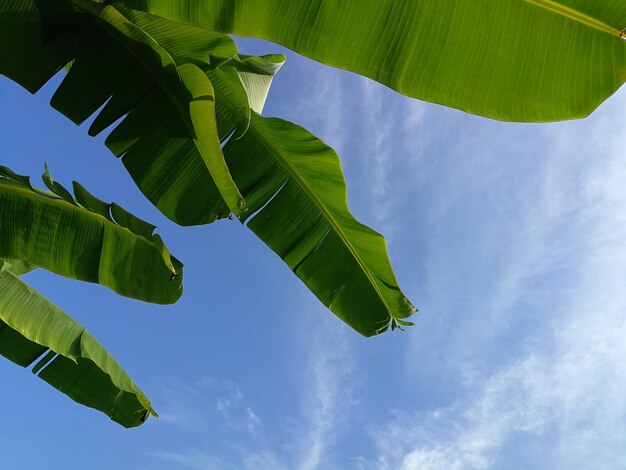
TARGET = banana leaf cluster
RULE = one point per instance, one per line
(80, 237)
(182, 108)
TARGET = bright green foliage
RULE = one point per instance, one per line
(296, 193)
(256, 74)
(117, 58)
(185, 85)
(172, 148)
(33, 330)
(84, 238)
(192, 138)
(295, 183)
(514, 60)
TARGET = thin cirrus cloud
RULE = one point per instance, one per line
(526, 273)
(327, 383)
(510, 240)
(328, 388)
(519, 269)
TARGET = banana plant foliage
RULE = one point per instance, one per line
(84, 238)
(185, 107)
(35, 331)
(81, 237)
(513, 60)
(194, 143)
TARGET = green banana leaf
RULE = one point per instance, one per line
(344, 263)
(18, 266)
(256, 74)
(297, 198)
(83, 238)
(513, 60)
(296, 193)
(140, 65)
(33, 330)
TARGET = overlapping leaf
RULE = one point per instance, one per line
(256, 74)
(297, 197)
(514, 60)
(293, 180)
(140, 65)
(295, 183)
(83, 238)
(33, 330)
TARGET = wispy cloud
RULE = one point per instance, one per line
(193, 460)
(325, 111)
(378, 135)
(548, 390)
(328, 387)
(392, 138)
(196, 407)
(327, 384)
(563, 406)
(331, 383)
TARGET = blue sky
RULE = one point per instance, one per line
(508, 237)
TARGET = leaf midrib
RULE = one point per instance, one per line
(576, 15)
(290, 168)
(311, 193)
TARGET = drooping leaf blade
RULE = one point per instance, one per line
(33, 328)
(118, 61)
(297, 197)
(188, 89)
(72, 240)
(235, 120)
(513, 60)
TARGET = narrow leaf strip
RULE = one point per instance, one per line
(228, 81)
(32, 327)
(202, 120)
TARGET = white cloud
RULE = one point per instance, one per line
(324, 112)
(330, 383)
(254, 422)
(189, 406)
(569, 404)
(549, 393)
(392, 136)
(327, 383)
(328, 386)
(263, 461)
(193, 460)
(381, 134)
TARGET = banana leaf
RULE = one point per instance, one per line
(81, 237)
(344, 263)
(140, 65)
(35, 331)
(256, 74)
(296, 193)
(513, 60)
(297, 198)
